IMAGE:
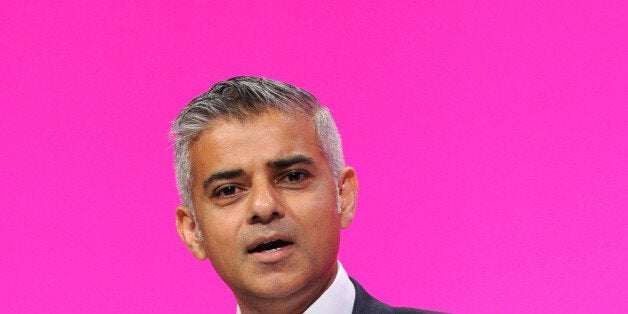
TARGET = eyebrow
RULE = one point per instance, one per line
(287, 162)
(222, 175)
(275, 164)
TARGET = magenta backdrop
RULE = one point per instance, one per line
(490, 142)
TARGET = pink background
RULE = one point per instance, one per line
(490, 142)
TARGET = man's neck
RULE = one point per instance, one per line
(296, 302)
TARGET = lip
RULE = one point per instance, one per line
(270, 256)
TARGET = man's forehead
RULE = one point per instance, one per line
(272, 135)
(273, 119)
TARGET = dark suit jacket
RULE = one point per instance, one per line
(365, 303)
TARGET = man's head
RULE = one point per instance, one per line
(241, 98)
(264, 189)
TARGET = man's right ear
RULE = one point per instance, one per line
(188, 232)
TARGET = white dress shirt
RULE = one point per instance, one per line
(337, 299)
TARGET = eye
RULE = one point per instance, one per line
(295, 176)
(226, 191)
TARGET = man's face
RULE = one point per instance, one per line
(267, 205)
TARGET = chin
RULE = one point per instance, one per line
(277, 286)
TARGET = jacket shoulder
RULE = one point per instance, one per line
(365, 304)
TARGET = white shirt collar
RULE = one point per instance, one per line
(338, 298)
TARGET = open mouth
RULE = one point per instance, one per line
(271, 246)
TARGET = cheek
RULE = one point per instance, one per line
(319, 213)
(322, 222)
(220, 231)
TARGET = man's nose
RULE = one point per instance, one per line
(264, 206)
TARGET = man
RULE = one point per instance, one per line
(265, 193)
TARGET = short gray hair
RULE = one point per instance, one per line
(241, 98)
